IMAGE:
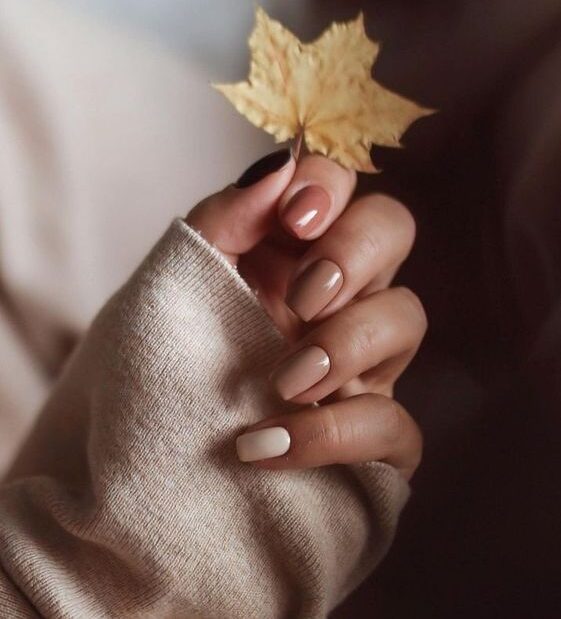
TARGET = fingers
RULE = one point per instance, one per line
(363, 428)
(375, 334)
(239, 217)
(360, 252)
(318, 193)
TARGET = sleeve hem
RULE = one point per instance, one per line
(198, 267)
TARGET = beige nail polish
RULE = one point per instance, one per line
(314, 289)
(262, 444)
(301, 371)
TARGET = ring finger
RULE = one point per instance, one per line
(379, 331)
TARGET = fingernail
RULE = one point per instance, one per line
(262, 444)
(301, 371)
(314, 289)
(265, 166)
(306, 211)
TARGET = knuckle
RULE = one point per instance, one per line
(387, 415)
(404, 217)
(347, 339)
(370, 401)
(366, 246)
(390, 421)
(358, 242)
(398, 214)
(363, 336)
(328, 432)
(413, 307)
(344, 237)
(396, 430)
(369, 245)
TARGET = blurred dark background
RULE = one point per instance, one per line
(481, 535)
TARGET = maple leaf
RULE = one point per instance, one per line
(321, 91)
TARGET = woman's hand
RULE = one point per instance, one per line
(324, 281)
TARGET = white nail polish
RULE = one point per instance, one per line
(263, 444)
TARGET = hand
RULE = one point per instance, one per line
(324, 282)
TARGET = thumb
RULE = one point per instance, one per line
(240, 216)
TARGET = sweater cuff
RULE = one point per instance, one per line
(200, 269)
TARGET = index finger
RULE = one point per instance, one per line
(317, 194)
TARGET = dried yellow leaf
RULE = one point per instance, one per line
(321, 90)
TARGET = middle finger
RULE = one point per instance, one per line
(364, 246)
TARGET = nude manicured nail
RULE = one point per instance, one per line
(262, 444)
(314, 289)
(301, 371)
(306, 211)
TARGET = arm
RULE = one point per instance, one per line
(140, 506)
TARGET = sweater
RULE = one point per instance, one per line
(129, 500)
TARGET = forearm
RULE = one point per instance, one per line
(129, 497)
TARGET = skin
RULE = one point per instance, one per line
(370, 331)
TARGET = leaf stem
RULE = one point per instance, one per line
(298, 144)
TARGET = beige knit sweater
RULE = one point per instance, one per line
(130, 501)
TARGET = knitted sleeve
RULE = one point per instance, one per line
(130, 500)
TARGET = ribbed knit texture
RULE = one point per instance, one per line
(133, 502)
